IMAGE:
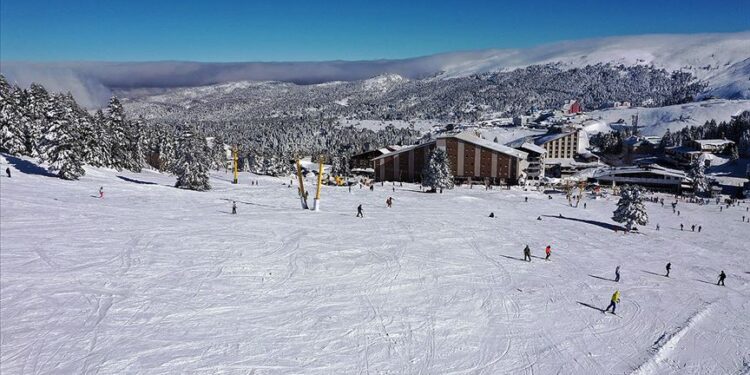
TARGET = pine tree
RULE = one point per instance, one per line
(437, 173)
(37, 100)
(744, 144)
(62, 146)
(134, 133)
(99, 146)
(630, 208)
(697, 173)
(218, 154)
(192, 163)
(733, 152)
(12, 119)
(120, 138)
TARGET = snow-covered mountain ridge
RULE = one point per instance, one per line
(723, 60)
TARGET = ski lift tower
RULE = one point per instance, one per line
(316, 202)
(235, 160)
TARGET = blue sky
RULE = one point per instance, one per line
(277, 30)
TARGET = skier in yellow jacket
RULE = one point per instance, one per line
(613, 303)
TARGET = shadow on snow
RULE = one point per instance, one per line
(602, 224)
(128, 179)
(28, 167)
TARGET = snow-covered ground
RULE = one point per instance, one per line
(656, 121)
(153, 279)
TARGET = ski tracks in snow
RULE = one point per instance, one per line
(667, 343)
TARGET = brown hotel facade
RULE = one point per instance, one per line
(471, 158)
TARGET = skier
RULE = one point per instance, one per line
(613, 302)
(617, 274)
(492, 214)
(722, 276)
(7, 170)
(584, 205)
(527, 253)
(389, 202)
(526, 199)
(394, 189)
(681, 226)
(234, 208)
(693, 228)
(548, 251)
(657, 227)
(678, 213)
(372, 187)
(669, 268)
(101, 192)
(359, 211)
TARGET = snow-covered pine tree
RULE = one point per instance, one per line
(697, 173)
(37, 100)
(733, 152)
(62, 146)
(437, 173)
(99, 146)
(346, 169)
(218, 154)
(193, 162)
(118, 133)
(337, 166)
(11, 119)
(134, 133)
(744, 144)
(630, 208)
(254, 163)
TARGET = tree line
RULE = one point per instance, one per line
(54, 129)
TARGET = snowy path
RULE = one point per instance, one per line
(153, 279)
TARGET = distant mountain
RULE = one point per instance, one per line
(721, 60)
(393, 97)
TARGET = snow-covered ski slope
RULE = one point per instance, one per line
(655, 121)
(153, 279)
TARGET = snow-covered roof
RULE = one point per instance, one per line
(532, 147)
(389, 149)
(713, 142)
(468, 137)
(551, 137)
(651, 168)
(403, 149)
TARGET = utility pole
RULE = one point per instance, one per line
(235, 160)
(302, 194)
(316, 202)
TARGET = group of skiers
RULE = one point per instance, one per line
(616, 296)
(527, 253)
